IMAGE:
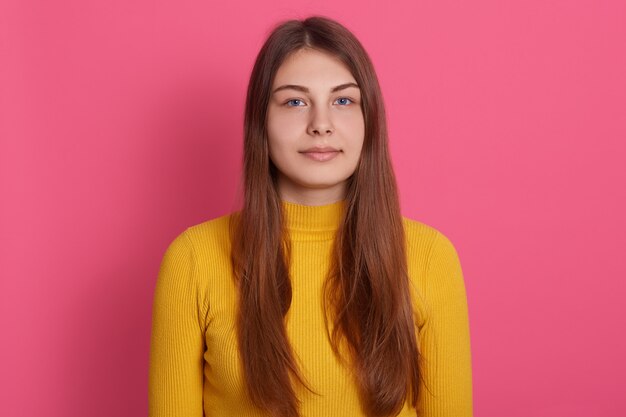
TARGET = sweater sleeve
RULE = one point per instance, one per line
(445, 338)
(177, 339)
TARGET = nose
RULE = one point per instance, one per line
(320, 123)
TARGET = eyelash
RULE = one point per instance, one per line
(297, 99)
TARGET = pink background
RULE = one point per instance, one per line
(121, 124)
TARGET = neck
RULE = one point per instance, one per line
(319, 222)
(294, 193)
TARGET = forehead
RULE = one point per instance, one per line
(312, 68)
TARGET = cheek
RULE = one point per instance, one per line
(354, 128)
(282, 132)
(275, 134)
(275, 148)
(279, 146)
(279, 121)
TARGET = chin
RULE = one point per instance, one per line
(318, 185)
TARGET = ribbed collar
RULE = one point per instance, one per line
(312, 222)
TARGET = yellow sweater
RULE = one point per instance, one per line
(194, 363)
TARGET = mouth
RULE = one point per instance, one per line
(321, 156)
(320, 149)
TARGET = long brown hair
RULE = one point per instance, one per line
(367, 288)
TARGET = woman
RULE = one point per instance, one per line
(317, 298)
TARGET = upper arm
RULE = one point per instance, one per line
(177, 339)
(445, 338)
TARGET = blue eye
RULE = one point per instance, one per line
(289, 101)
(344, 98)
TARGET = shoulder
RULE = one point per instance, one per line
(433, 265)
(199, 257)
(419, 233)
(202, 240)
(427, 242)
(212, 231)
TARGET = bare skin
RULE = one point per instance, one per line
(299, 120)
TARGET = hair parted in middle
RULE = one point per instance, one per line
(366, 292)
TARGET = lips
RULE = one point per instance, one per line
(321, 154)
(321, 149)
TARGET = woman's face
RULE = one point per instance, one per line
(315, 103)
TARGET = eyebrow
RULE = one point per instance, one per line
(306, 90)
